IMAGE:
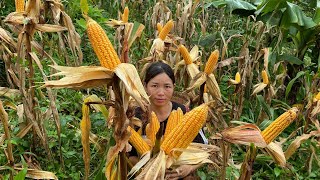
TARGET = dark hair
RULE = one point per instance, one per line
(157, 68)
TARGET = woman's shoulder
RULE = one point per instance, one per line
(176, 105)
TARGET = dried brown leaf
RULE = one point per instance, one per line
(277, 154)
(244, 134)
(132, 83)
(80, 77)
(297, 142)
(49, 28)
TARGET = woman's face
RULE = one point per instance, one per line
(160, 89)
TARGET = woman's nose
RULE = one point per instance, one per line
(160, 91)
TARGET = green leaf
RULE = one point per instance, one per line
(277, 171)
(288, 89)
(270, 6)
(233, 5)
(316, 6)
(293, 15)
(84, 6)
(21, 175)
(290, 58)
(264, 105)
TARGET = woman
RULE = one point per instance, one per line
(159, 84)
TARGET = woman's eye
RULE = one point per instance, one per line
(154, 85)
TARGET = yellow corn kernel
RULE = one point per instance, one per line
(212, 62)
(277, 126)
(185, 54)
(318, 96)
(152, 128)
(125, 15)
(101, 45)
(165, 30)
(265, 78)
(174, 118)
(186, 130)
(19, 5)
(159, 27)
(137, 142)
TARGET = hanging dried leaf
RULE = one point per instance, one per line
(297, 142)
(277, 154)
(244, 134)
(80, 77)
(132, 83)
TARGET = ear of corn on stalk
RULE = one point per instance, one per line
(85, 126)
(277, 126)
(19, 5)
(318, 96)
(165, 30)
(101, 45)
(125, 15)
(238, 77)
(152, 128)
(184, 133)
(174, 119)
(137, 142)
(212, 62)
(265, 77)
(185, 54)
(159, 27)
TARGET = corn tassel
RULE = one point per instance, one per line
(125, 15)
(174, 119)
(137, 142)
(19, 5)
(159, 27)
(184, 133)
(212, 62)
(152, 128)
(101, 45)
(265, 78)
(238, 77)
(185, 54)
(277, 126)
(165, 30)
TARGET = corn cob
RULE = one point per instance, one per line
(19, 5)
(159, 27)
(277, 126)
(101, 45)
(125, 15)
(184, 133)
(152, 128)
(318, 96)
(185, 54)
(137, 142)
(174, 118)
(165, 30)
(238, 77)
(212, 62)
(265, 78)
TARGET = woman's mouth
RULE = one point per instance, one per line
(160, 100)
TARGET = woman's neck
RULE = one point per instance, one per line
(162, 112)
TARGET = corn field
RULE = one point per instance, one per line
(71, 77)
